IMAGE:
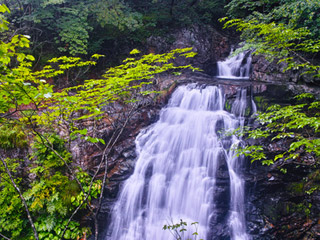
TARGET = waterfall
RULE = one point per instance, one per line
(176, 170)
(237, 67)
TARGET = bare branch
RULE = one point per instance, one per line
(104, 159)
(4, 237)
(22, 199)
(91, 183)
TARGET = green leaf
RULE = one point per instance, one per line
(67, 234)
(102, 141)
(83, 131)
(134, 51)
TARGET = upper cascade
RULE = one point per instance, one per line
(236, 67)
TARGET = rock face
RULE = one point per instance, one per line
(277, 205)
(213, 46)
(210, 44)
(263, 70)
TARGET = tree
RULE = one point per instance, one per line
(298, 124)
(282, 30)
(41, 202)
(68, 22)
(286, 33)
(79, 28)
(48, 187)
(296, 14)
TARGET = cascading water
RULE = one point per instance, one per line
(237, 67)
(175, 173)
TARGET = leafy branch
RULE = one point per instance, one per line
(278, 41)
(295, 128)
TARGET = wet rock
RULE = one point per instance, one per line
(219, 232)
(277, 202)
(263, 70)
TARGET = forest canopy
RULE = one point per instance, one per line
(80, 27)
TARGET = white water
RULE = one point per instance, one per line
(175, 173)
(237, 67)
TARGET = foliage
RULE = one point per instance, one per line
(12, 137)
(287, 31)
(85, 27)
(178, 230)
(296, 128)
(124, 83)
(118, 14)
(50, 200)
(210, 11)
(295, 14)
(73, 31)
(12, 216)
(65, 21)
(299, 123)
(54, 195)
(278, 41)
(52, 188)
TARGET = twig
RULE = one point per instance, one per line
(5, 237)
(22, 199)
(104, 158)
(90, 187)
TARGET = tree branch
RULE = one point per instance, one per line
(91, 183)
(104, 158)
(5, 237)
(48, 145)
(22, 199)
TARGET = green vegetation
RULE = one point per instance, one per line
(11, 138)
(297, 124)
(88, 26)
(284, 30)
(289, 138)
(178, 230)
(45, 194)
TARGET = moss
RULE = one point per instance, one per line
(227, 106)
(70, 190)
(303, 208)
(297, 188)
(315, 176)
(261, 102)
(247, 111)
(273, 210)
(288, 208)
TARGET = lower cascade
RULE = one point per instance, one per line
(176, 172)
